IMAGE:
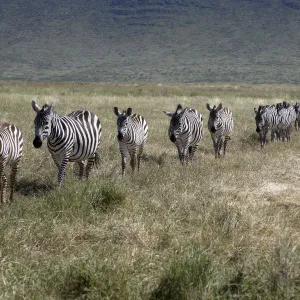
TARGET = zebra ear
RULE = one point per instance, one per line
(53, 105)
(178, 109)
(129, 111)
(219, 107)
(116, 111)
(208, 107)
(255, 110)
(35, 106)
(169, 114)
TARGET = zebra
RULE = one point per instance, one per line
(11, 151)
(71, 138)
(220, 125)
(297, 121)
(287, 116)
(266, 118)
(185, 131)
(132, 136)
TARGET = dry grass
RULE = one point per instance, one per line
(217, 229)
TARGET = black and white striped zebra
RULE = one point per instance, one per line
(220, 125)
(266, 118)
(11, 150)
(132, 136)
(186, 131)
(287, 116)
(297, 121)
(71, 138)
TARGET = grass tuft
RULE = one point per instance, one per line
(106, 196)
(187, 275)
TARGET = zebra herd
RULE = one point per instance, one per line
(279, 119)
(76, 138)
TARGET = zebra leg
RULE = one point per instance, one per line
(13, 176)
(180, 153)
(62, 171)
(185, 153)
(192, 150)
(133, 160)
(139, 155)
(227, 138)
(2, 183)
(123, 163)
(262, 137)
(297, 124)
(219, 146)
(80, 166)
(215, 145)
(90, 165)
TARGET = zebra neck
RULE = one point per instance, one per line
(56, 127)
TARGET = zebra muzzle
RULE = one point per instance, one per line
(257, 130)
(172, 138)
(37, 142)
(120, 136)
(213, 129)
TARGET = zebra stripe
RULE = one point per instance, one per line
(186, 131)
(266, 118)
(220, 125)
(71, 138)
(132, 135)
(11, 150)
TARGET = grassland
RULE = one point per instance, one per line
(216, 229)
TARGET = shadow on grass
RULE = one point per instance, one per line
(33, 187)
(159, 159)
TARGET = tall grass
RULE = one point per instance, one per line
(216, 229)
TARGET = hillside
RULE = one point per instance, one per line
(150, 41)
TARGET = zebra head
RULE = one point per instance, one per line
(122, 121)
(175, 128)
(260, 118)
(214, 117)
(42, 122)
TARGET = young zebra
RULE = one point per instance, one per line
(71, 138)
(266, 118)
(11, 150)
(132, 135)
(186, 131)
(220, 125)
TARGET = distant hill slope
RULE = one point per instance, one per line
(254, 41)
